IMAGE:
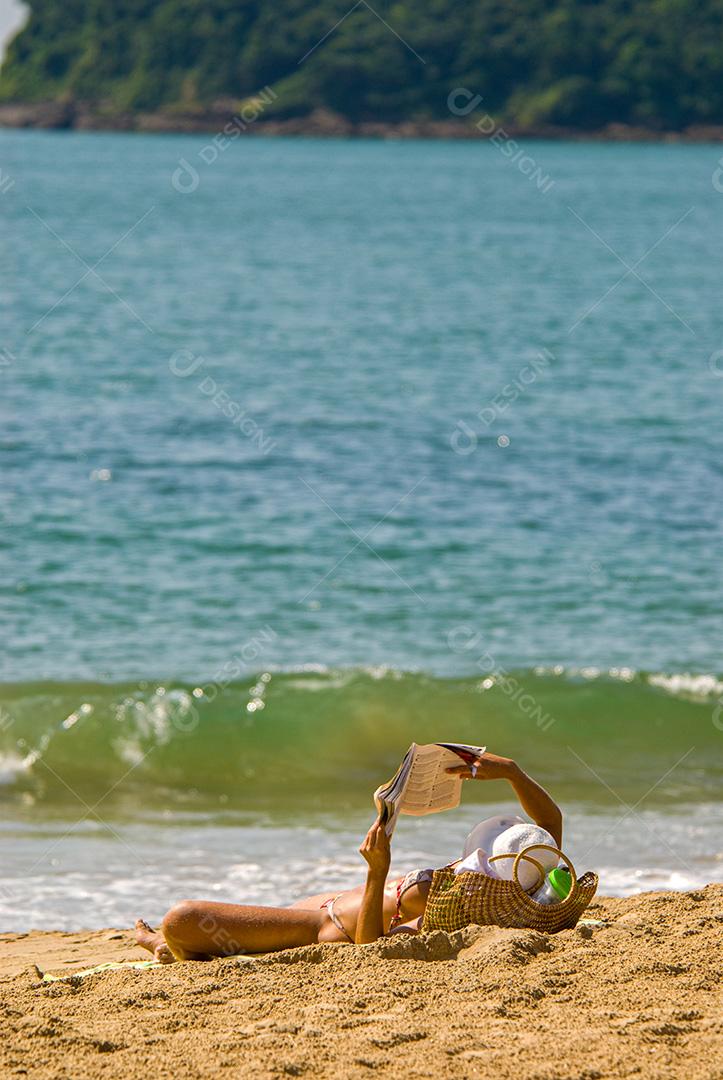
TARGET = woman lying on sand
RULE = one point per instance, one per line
(202, 929)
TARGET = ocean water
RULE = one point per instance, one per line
(319, 447)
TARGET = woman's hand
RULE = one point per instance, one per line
(487, 767)
(534, 800)
(376, 850)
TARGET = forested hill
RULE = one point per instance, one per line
(656, 64)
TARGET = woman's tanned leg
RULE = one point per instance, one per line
(196, 929)
(153, 941)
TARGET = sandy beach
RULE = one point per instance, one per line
(362, 374)
(634, 991)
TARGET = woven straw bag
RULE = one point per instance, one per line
(456, 900)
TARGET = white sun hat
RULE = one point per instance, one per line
(516, 838)
(484, 835)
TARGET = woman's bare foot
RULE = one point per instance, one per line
(154, 942)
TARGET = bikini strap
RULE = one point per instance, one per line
(414, 877)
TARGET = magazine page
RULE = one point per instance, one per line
(430, 788)
(421, 784)
(388, 797)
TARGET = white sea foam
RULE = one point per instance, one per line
(151, 723)
(618, 674)
(11, 767)
(684, 685)
(691, 687)
(102, 878)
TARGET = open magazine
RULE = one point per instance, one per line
(421, 785)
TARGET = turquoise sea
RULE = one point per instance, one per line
(313, 448)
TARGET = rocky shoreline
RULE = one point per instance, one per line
(80, 116)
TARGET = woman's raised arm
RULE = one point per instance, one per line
(534, 800)
(375, 849)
